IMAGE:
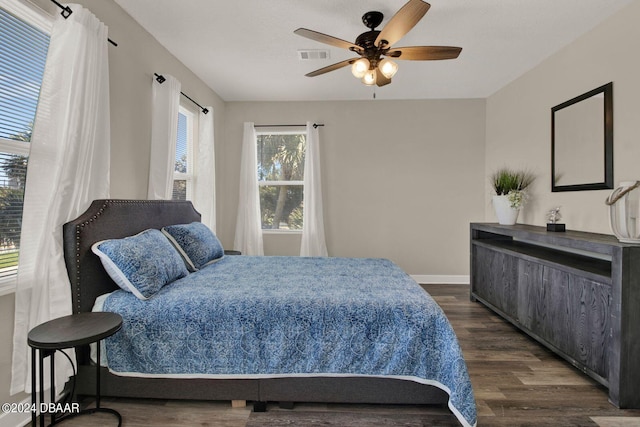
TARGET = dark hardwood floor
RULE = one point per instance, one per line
(516, 382)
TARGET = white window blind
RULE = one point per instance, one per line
(23, 49)
(184, 172)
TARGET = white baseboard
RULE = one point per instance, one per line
(433, 279)
(16, 419)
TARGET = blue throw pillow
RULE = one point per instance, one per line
(141, 264)
(196, 243)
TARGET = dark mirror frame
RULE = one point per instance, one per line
(607, 179)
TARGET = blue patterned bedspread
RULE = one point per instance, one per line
(283, 316)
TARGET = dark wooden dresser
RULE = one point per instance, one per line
(576, 293)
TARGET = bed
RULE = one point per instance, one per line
(264, 329)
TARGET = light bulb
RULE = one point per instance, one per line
(388, 68)
(360, 67)
(369, 77)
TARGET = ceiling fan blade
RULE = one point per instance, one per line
(381, 79)
(332, 67)
(324, 38)
(402, 22)
(425, 53)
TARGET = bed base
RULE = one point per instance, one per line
(284, 390)
(106, 219)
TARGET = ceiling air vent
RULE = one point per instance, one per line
(305, 55)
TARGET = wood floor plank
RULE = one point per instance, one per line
(617, 421)
(354, 419)
(552, 377)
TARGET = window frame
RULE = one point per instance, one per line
(41, 20)
(29, 13)
(301, 131)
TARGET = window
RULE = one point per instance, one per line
(184, 171)
(23, 49)
(281, 179)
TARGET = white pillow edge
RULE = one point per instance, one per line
(114, 272)
(183, 254)
(213, 261)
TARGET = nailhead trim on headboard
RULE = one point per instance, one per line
(78, 231)
(157, 217)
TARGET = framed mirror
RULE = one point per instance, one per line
(582, 142)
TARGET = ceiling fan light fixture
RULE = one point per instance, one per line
(369, 77)
(360, 67)
(388, 68)
(373, 45)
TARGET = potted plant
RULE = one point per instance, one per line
(510, 186)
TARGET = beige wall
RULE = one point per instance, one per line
(401, 179)
(131, 67)
(519, 118)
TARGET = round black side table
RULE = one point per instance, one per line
(66, 332)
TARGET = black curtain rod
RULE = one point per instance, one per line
(315, 126)
(66, 12)
(160, 79)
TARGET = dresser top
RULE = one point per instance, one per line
(595, 242)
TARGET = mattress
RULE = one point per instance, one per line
(273, 317)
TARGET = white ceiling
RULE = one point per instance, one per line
(246, 50)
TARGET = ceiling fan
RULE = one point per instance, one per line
(374, 46)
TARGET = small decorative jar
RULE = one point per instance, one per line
(624, 212)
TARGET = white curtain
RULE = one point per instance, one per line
(164, 131)
(205, 184)
(68, 168)
(313, 242)
(248, 237)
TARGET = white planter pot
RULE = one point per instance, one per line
(505, 213)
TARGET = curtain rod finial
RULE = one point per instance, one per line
(159, 78)
(66, 10)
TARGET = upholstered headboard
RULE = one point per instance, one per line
(111, 219)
